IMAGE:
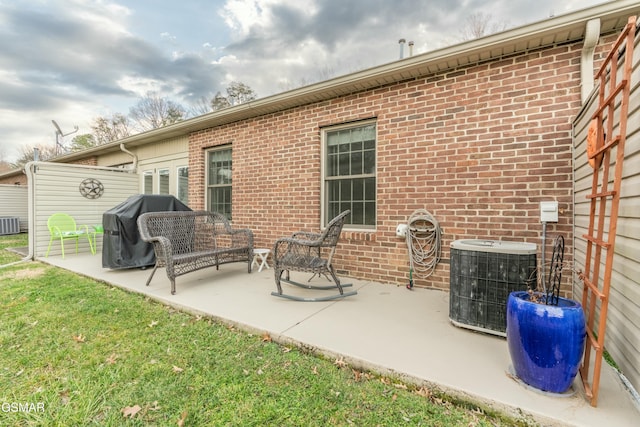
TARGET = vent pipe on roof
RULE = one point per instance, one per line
(402, 42)
(591, 36)
(411, 48)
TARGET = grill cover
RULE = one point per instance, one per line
(122, 246)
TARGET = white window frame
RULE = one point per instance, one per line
(164, 172)
(146, 174)
(208, 186)
(325, 179)
(179, 181)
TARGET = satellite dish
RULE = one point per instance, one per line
(59, 135)
(57, 127)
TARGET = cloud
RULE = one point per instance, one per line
(74, 60)
(59, 55)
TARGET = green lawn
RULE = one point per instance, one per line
(76, 352)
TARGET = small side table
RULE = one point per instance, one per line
(261, 254)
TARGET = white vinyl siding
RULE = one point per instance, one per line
(622, 338)
(15, 203)
(56, 189)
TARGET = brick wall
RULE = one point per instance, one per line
(18, 179)
(478, 147)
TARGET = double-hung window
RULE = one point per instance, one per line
(183, 184)
(163, 181)
(349, 173)
(219, 181)
(147, 182)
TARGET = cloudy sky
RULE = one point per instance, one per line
(74, 60)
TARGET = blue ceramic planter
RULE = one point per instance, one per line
(545, 342)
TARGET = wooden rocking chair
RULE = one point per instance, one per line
(303, 252)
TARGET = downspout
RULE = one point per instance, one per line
(591, 36)
(134, 168)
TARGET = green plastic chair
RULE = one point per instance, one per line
(62, 226)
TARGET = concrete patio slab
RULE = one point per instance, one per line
(384, 328)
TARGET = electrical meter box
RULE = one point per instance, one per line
(549, 211)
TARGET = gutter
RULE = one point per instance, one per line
(591, 36)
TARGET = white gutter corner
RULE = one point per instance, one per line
(134, 167)
(591, 36)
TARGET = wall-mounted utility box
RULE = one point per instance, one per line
(549, 211)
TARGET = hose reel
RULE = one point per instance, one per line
(424, 241)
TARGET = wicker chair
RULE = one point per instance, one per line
(303, 252)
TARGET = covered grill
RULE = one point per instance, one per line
(122, 246)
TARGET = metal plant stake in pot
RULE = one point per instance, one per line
(546, 333)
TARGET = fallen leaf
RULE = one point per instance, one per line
(315, 370)
(357, 375)
(131, 411)
(400, 386)
(182, 419)
(286, 349)
(153, 323)
(424, 392)
(266, 337)
(79, 338)
(112, 359)
(176, 369)
(154, 406)
(340, 363)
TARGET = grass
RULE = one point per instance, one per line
(78, 352)
(11, 241)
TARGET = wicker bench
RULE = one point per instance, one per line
(188, 241)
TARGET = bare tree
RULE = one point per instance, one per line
(107, 129)
(237, 93)
(153, 111)
(480, 25)
(27, 154)
(4, 166)
(200, 107)
(320, 73)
